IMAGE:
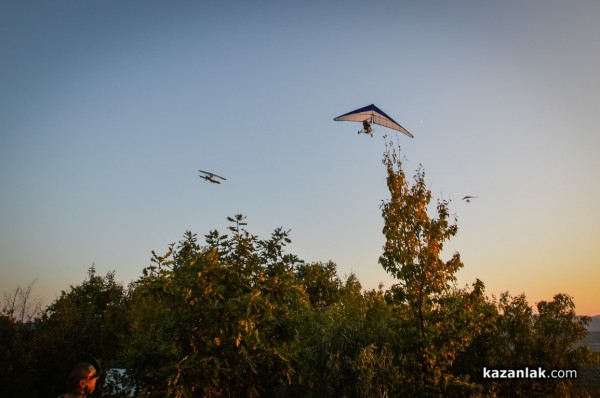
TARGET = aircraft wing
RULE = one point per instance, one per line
(211, 175)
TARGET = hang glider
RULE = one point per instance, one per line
(212, 177)
(468, 198)
(372, 114)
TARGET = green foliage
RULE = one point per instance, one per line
(238, 316)
(588, 377)
(557, 328)
(89, 322)
(321, 282)
(223, 317)
(339, 339)
(447, 336)
(414, 242)
(17, 313)
(15, 373)
(515, 337)
(546, 339)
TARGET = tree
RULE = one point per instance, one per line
(558, 328)
(218, 319)
(15, 370)
(414, 242)
(345, 346)
(18, 312)
(546, 339)
(88, 322)
(20, 305)
(320, 281)
(513, 336)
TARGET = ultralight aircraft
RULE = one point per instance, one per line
(468, 198)
(212, 177)
(371, 114)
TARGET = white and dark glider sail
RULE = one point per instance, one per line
(372, 114)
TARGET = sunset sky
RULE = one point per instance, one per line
(109, 108)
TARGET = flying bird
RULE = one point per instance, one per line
(371, 114)
(212, 177)
(468, 198)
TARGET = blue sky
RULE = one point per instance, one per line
(108, 109)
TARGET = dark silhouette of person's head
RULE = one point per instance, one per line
(81, 380)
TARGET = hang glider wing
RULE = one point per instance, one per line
(374, 115)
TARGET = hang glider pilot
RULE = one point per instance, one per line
(366, 128)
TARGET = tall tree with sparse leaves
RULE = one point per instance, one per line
(412, 254)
